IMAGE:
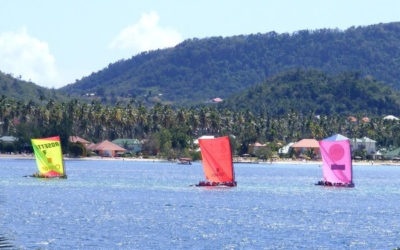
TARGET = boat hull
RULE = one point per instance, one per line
(216, 184)
(44, 176)
(330, 184)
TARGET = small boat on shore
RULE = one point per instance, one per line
(185, 161)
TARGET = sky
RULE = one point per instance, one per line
(56, 42)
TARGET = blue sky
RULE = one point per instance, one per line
(54, 42)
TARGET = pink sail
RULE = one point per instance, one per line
(337, 165)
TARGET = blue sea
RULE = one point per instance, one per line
(152, 205)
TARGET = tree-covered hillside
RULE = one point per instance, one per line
(200, 69)
(25, 91)
(170, 132)
(313, 91)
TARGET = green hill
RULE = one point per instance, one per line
(12, 87)
(200, 69)
(232, 68)
(312, 91)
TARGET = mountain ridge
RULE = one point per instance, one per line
(313, 91)
(197, 70)
(200, 69)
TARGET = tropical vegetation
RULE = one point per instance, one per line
(198, 70)
(276, 88)
(170, 133)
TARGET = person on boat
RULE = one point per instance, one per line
(215, 184)
(325, 183)
(51, 174)
(37, 175)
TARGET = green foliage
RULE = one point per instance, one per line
(170, 133)
(77, 149)
(195, 155)
(8, 147)
(305, 91)
(277, 88)
(198, 70)
(18, 89)
(263, 153)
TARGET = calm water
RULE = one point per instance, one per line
(146, 205)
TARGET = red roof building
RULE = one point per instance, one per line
(107, 149)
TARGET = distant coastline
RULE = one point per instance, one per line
(31, 157)
(236, 161)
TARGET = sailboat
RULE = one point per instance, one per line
(49, 158)
(337, 168)
(217, 162)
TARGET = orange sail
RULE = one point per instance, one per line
(217, 162)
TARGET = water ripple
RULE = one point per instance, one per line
(133, 205)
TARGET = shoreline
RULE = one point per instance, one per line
(66, 158)
(277, 161)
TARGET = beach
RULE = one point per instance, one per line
(236, 160)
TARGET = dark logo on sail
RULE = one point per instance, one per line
(338, 167)
(48, 145)
(218, 173)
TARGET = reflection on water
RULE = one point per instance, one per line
(5, 243)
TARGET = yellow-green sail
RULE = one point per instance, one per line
(48, 156)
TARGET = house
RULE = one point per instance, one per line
(217, 100)
(203, 137)
(306, 143)
(131, 145)
(285, 149)
(391, 117)
(77, 139)
(364, 143)
(107, 149)
(307, 148)
(352, 119)
(8, 139)
(256, 147)
(7, 143)
(392, 154)
(336, 137)
(365, 119)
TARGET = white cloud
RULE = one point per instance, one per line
(146, 35)
(28, 57)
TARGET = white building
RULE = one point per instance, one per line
(364, 143)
